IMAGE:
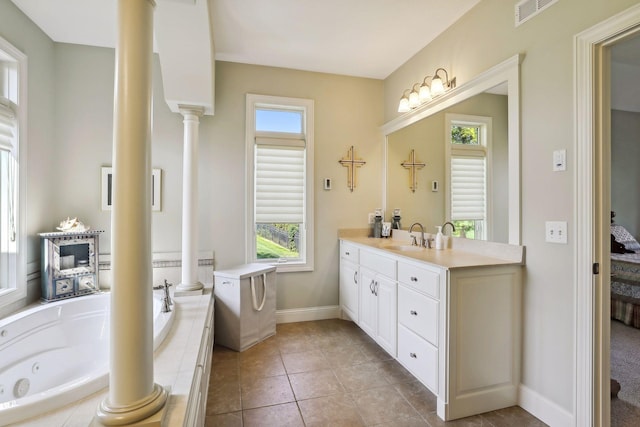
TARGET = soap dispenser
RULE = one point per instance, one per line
(439, 238)
(396, 220)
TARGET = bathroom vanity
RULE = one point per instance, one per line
(451, 317)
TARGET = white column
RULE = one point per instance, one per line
(190, 200)
(133, 395)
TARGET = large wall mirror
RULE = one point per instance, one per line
(491, 102)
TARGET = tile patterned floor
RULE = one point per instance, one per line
(326, 373)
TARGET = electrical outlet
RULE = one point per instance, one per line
(556, 232)
(372, 218)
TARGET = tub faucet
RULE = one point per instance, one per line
(413, 238)
(453, 227)
(166, 301)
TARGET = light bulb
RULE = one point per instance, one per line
(403, 107)
(425, 93)
(437, 87)
(414, 99)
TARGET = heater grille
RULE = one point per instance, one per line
(527, 9)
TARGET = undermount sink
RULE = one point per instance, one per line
(408, 248)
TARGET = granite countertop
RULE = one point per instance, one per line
(461, 253)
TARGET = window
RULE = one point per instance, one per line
(468, 164)
(13, 284)
(280, 182)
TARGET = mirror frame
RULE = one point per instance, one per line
(506, 72)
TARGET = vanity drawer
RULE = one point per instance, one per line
(349, 251)
(378, 263)
(419, 357)
(419, 313)
(419, 278)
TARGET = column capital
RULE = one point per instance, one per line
(194, 110)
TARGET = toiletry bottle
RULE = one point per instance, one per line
(377, 226)
(439, 238)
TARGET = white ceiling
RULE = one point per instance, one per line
(365, 38)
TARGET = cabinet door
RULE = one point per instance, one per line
(368, 302)
(349, 289)
(386, 293)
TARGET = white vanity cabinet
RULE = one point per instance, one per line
(418, 320)
(378, 299)
(483, 339)
(349, 280)
(452, 318)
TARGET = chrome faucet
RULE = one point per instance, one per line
(166, 301)
(453, 227)
(413, 238)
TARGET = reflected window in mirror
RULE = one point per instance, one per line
(468, 157)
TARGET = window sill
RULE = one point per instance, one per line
(285, 267)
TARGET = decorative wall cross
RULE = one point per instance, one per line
(413, 167)
(351, 163)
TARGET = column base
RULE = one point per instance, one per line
(148, 412)
(188, 289)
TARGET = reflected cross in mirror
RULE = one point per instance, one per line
(413, 166)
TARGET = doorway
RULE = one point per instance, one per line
(624, 340)
(593, 207)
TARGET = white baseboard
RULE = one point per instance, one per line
(306, 314)
(544, 409)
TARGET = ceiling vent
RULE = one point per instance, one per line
(527, 9)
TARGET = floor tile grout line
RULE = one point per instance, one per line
(333, 368)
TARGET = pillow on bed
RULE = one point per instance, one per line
(623, 236)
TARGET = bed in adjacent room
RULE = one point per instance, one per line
(625, 277)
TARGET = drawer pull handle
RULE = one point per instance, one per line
(371, 286)
(347, 253)
(414, 279)
(413, 355)
(355, 277)
(413, 313)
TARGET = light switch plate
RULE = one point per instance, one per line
(559, 160)
(327, 183)
(556, 232)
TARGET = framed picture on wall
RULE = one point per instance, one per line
(107, 186)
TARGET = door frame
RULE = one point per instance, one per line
(592, 207)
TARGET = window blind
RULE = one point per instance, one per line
(7, 126)
(8, 134)
(279, 184)
(468, 188)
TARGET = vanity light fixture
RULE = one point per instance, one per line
(438, 87)
(414, 98)
(426, 92)
(403, 107)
